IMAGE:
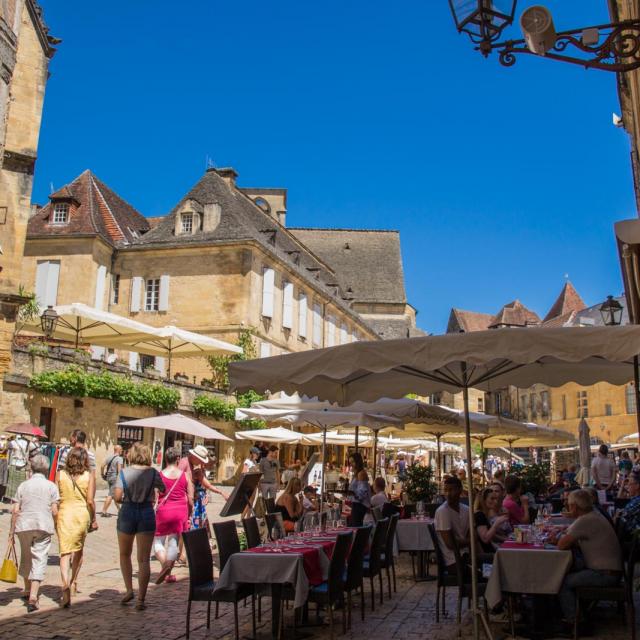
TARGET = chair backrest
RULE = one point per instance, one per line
(270, 504)
(196, 545)
(251, 531)
(376, 512)
(459, 563)
(440, 563)
(389, 509)
(338, 561)
(355, 568)
(227, 539)
(633, 557)
(391, 534)
(377, 545)
(274, 521)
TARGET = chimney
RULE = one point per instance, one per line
(35, 210)
(228, 174)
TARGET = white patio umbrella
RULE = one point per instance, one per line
(172, 341)
(278, 435)
(317, 417)
(454, 362)
(632, 437)
(180, 423)
(335, 438)
(585, 449)
(81, 324)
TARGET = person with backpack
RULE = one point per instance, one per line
(110, 472)
(20, 451)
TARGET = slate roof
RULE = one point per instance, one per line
(514, 314)
(241, 220)
(96, 209)
(467, 321)
(569, 300)
(367, 263)
(394, 328)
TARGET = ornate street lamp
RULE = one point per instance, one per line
(611, 312)
(610, 47)
(49, 321)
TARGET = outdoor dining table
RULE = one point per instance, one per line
(526, 569)
(413, 535)
(300, 561)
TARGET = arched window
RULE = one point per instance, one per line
(263, 204)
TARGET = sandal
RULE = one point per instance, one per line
(164, 572)
(32, 605)
(128, 597)
(140, 605)
(65, 601)
(171, 578)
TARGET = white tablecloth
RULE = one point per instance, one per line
(270, 568)
(534, 571)
(413, 535)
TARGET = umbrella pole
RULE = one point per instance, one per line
(636, 385)
(324, 465)
(169, 366)
(474, 559)
(438, 436)
(483, 453)
(375, 452)
(356, 437)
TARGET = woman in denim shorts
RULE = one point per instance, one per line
(136, 490)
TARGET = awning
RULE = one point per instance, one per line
(180, 423)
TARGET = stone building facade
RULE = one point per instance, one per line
(609, 410)
(220, 261)
(25, 51)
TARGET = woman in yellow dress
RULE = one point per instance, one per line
(76, 513)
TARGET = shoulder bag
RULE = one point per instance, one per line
(166, 495)
(9, 569)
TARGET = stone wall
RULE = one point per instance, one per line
(98, 417)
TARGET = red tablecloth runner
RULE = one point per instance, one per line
(509, 544)
(309, 555)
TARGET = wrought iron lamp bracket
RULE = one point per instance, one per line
(617, 48)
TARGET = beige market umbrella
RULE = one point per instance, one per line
(277, 435)
(81, 324)
(180, 423)
(453, 362)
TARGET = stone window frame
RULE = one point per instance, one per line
(187, 222)
(60, 208)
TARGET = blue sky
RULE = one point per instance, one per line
(500, 180)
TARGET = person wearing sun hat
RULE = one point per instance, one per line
(194, 465)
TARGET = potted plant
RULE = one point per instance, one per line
(419, 484)
(181, 377)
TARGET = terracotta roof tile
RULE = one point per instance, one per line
(568, 300)
(514, 314)
(467, 321)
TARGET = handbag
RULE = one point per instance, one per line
(90, 528)
(9, 569)
(166, 496)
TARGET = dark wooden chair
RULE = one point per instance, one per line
(201, 584)
(622, 593)
(389, 509)
(329, 593)
(388, 559)
(228, 543)
(275, 521)
(354, 576)
(373, 562)
(251, 532)
(444, 578)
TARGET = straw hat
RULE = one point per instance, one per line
(200, 452)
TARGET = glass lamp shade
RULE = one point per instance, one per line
(483, 20)
(49, 321)
(611, 312)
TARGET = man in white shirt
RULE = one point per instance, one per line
(452, 522)
(603, 469)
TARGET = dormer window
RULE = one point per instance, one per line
(60, 213)
(187, 222)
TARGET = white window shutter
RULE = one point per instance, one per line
(133, 361)
(331, 331)
(163, 304)
(136, 292)
(265, 349)
(101, 278)
(343, 333)
(268, 291)
(287, 305)
(53, 274)
(317, 325)
(160, 364)
(41, 283)
(302, 316)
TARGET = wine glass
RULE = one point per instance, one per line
(420, 509)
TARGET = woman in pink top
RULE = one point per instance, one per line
(516, 505)
(172, 514)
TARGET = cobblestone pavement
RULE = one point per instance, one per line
(96, 612)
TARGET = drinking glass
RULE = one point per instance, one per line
(420, 508)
